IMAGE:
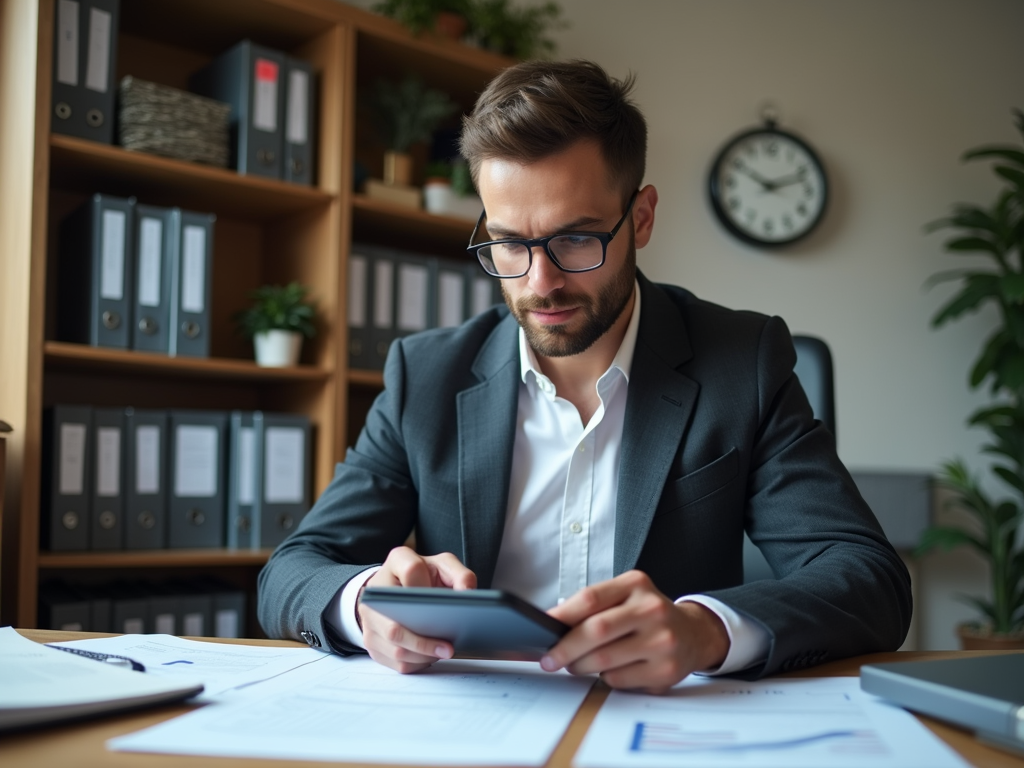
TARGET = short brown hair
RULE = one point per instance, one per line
(539, 108)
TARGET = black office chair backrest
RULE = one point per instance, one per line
(814, 369)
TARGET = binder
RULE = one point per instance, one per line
(100, 607)
(244, 471)
(284, 487)
(249, 78)
(164, 610)
(484, 290)
(66, 477)
(145, 487)
(196, 605)
(191, 251)
(84, 58)
(107, 514)
(154, 239)
(63, 607)
(382, 306)
(129, 609)
(299, 123)
(95, 273)
(415, 296)
(196, 479)
(453, 294)
(358, 304)
(229, 613)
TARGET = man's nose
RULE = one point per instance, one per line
(544, 276)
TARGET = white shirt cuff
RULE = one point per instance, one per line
(748, 641)
(342, 614)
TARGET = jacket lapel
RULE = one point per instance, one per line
(487, 415)
(658, 408)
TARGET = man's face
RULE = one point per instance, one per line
(561, 313)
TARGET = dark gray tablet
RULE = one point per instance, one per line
(479, 623)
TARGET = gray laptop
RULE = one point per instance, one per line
(984, 694)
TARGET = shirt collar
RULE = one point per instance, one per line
(623, 359)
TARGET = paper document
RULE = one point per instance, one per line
(42, 685)
(353, 709)
(221, 667)
(785, 723)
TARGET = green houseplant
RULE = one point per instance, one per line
(449, 18)
(277, 320)
(995, 233)
(407, 112)
(515, 30)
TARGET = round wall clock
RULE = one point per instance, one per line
(768, 187)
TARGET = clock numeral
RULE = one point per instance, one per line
(734, 203)
(750, 215)
(787, 222)
(801, 209)
(790, 155)
(808, 191)
(730, 181)
(768, 226)
(738, 164)
(771, 148)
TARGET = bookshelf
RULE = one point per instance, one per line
(266, 231)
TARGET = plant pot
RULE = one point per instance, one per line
(437, 196)
(450, 25)
(397, 168)
(974, 638)
(277, 349)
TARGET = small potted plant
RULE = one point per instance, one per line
(514, 30)
(997, 234)
(447, 18)
(276, 322)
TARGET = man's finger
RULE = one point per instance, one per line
(392, 639)
(597, 598)
(594, 637)
(450, 572)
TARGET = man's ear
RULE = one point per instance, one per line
(643, 215)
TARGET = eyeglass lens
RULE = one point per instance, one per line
(572, 252)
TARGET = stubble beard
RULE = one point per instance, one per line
(599, 312)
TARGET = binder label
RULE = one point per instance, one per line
(296, 130)
(72, 459)
(113, 238)
(193, 625)
(97, 63)
(193, 277)
(383, 275)
(246, 465)
(226, 622)
(412, 297)
(357, 291)
(151, 233)
(164, 623)
(449, 299)
(67, 42)
(283, 465)
(147, 459)
(108, 461)
(264, 110)
(196, 462)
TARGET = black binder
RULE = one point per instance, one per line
(84, 63)
(453, 293)
(196, 482)
(63, 607)
(191, 272)
(155, 237)
(67, 477)
(382, 305)
(284, 483)
(299, 121)
(484, 291)
(360, 286)
(249, 78)
(245, 461)
(145, 487)
(95, 273)
(415, 296)
(107, 514)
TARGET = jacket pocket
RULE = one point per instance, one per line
(700, 483)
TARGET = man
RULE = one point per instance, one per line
(599, 447)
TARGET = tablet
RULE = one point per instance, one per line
(479, 623)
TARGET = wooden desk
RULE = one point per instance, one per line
(82, 745)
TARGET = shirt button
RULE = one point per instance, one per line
(575, 527)
(582, 448)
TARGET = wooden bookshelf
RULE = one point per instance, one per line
(267, 231)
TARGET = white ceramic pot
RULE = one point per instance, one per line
(277, 349)
(437, 197)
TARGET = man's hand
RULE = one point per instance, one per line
(387, 641)
(634, 637)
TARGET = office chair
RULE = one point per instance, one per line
(814, 369)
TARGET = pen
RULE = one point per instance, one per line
(109, 658)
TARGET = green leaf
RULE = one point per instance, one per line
(1012, 175)
(979, 287)
(945, 538)
(973, 245)
(984, 606)
(1006, 153)
(1011, 478)
(1012, 287)
(989, 357)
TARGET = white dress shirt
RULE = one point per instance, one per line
(564, 483)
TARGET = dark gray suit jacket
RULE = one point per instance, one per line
(718, 437)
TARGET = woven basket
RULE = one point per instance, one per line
(165, 121)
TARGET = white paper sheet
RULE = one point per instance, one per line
(353, 709)
(785, 723)
(221, 667)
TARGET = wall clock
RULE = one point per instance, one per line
(768, 187)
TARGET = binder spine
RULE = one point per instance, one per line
(146, 479)
(153, 276)
(286, 462)
(107, 513)
(191, 252)
(67, 472)
(360, 288)
(196, 481)
(244, 463)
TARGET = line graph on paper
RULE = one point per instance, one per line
(671, 738)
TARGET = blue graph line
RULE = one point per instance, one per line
(638, 738)
(180, 661)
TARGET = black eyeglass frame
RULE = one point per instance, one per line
(603, 237)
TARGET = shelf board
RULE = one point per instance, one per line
(366, 378)
(411, 223)
(154, 558)
(63, 355)
(88, 166)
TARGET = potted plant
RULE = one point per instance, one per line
(276, 322)
(407, 112)
(995, 233)
(447, 18)
(514, 30)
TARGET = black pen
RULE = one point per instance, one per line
(108, 658)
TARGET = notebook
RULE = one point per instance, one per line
(984, 694)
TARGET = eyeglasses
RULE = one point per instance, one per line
(570, 252)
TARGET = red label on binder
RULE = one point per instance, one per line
(266, 71)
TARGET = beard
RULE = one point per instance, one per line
(599, 312)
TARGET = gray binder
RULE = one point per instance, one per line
(245, 461)
(145, 479)
(360, 286)
(191, 251)
(107, 514)
(453, 294)
(415, 293)
(95, 273)
(483, 290)
(164, 610)
(196, 479)
(299, 121)
(284, 487)
(63, 607)
(249, 78)
(154, 237)
(196, 608)
(130, 609)
(67, 477)
(84, 63)
(229, 613)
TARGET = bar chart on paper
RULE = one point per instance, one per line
(790, 723)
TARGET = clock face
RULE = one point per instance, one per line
(768, 187)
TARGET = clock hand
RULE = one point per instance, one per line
(766, 184)
(785, 181)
